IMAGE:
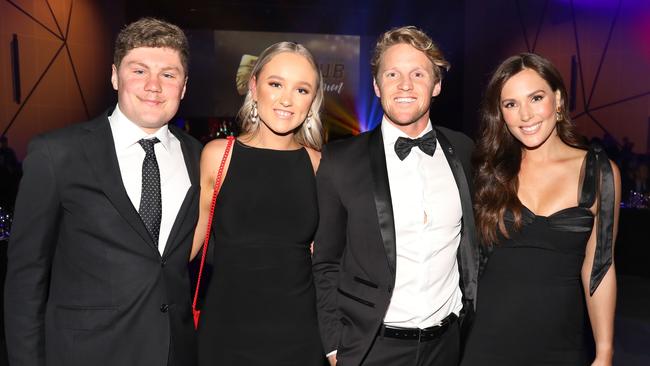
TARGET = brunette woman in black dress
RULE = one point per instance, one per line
(547, 211)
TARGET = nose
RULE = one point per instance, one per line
(152, 85)
(525, 112)
(405, 84)
(285, 99)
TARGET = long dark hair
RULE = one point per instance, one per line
(497, 158)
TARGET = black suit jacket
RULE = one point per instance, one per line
(86, 285)
(354, 250)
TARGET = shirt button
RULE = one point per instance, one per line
(164, 308)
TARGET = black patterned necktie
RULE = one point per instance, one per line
(426, 143)
(150, 200)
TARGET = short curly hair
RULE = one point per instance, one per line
(151, 32)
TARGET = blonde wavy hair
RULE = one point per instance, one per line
(417, 39)
(309, 137)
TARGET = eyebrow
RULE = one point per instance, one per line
(529, 95)
(141, 64)
(415, 68)
(277, 77)
(171, 68)
(138, 63)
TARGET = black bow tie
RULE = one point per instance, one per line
(426, 143)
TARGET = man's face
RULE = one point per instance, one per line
(405, 83)
(150, 84)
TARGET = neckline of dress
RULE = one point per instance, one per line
(240, 143)
(560, 211)
(578, 206)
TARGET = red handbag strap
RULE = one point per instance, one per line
(217, 187)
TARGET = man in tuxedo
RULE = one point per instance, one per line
(104, 219)
(395, 254)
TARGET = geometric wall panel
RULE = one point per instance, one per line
(65, 53)
(608, 40)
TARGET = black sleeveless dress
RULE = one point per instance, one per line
(259, 306)
(531, 305)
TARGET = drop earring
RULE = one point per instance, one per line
(253, 115)
(308, 122)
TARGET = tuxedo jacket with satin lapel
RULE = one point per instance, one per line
(86, 285)
(354, 250)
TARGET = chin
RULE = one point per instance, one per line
(156, 120)
(284, 132)
(153, 124)
(282, 129)
(403, 121)
(531, 144)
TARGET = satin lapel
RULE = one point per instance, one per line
(381, 191)
(457, 170)
(100, 151)
(190, 201)
(468, 251)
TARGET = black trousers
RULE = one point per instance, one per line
(441, 351)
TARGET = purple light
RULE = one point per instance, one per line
(603, 4)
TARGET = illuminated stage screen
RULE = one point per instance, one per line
(216, 91)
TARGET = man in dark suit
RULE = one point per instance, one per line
(97, 262)
(395, 254)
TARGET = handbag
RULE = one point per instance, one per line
(217, 186)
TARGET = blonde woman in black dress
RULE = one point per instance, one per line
(260, 307)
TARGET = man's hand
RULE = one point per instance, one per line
(332, 359)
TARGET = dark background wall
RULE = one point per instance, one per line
(601, 47)
(366, 18)
(72, 91)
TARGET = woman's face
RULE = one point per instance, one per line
(284, 90)
(529, 106)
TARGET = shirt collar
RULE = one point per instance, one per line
(390, 133)
(126, 133)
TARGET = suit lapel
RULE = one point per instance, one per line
(192, 165)
(457, 170)
(468, 255)
(381, 191)
(99, 148)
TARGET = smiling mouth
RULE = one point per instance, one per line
(282, 113)
(151, 102)
(402, 100)
(529, 130)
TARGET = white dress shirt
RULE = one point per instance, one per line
(428, 216)
(174, 179)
